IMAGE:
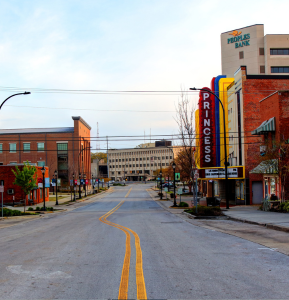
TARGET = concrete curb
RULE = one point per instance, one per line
(269, 225)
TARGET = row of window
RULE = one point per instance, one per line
(280, 69)
(40, 147)
(141, 165)
(132, 172)
(39, 163)
(141, 152)
(280, 51)
(26, 147)
(136, 159)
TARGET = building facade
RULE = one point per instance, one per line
(261, 54)
(140, 163)
(65, 149)
(13, 194)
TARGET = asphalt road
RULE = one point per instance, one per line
(138, 249)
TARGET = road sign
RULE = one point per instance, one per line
(177, 176)
(1, 188)
(165, 189)
(196, 176)
(180, 191)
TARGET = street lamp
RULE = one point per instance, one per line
(92, 184)
(43, 186)
(84, 177)
(25, 93)
(174, 168)
(55, 174)
(73, 185)
(225, 143)
(161, 196)
(79, 186)
(53, 187)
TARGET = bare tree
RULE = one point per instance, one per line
(185, 160)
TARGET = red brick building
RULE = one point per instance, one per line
(65, 149)
(13, 194)
(273, 128)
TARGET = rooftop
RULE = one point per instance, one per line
(37, 130)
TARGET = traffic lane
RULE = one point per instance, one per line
(75, 257)
(107, 202)
(184, 261)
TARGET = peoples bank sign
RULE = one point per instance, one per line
(239, 39)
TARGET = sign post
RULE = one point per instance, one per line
(2, 191)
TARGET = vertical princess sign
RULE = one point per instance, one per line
(207, 129)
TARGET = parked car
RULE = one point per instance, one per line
(168, 184)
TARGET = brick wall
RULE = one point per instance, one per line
(8, 178)
(255, 90)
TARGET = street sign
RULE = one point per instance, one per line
(180, 191)
(47, 182)
(165, 189)
(1, 188)
(196, 176)
(177, 176)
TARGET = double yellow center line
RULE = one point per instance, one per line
(140, 283)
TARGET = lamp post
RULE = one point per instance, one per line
(43, 186)
(161, 196)
(84, 177)
(174, 168)
(53, 187)
(25, 93)
(92, 183)
(225, 143)
(79, 186)
(55, 174)
(73, 185)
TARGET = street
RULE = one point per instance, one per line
(125, 245)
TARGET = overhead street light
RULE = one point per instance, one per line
(225, 143)
(25, 93)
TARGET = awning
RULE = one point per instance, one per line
(266, 167)
(266, 126)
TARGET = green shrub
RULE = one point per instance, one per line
(37, 208)
(284, 206)
(10, 212)
(30, 208)
(183, 204)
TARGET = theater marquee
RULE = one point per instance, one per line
(207, 129)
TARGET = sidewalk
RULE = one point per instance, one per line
(62, 202)
(248, 214)
(251, 214)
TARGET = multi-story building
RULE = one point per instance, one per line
(142, 162)
(261, 54)
(65, 149)
(253, 67)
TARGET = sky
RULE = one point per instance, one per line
(116, 45)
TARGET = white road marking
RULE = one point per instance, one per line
(272, 249)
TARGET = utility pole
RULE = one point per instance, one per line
(107, 157)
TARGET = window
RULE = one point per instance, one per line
(171, 157)
(26, 147)
(280, 69)
(262, 69)
(261, 51)
(241, 54)
(40, 146)
(116, 160)
(144, 165)
(133, 166)
(140, 171)
(133, 159)
(12, 148)
(136, 159)
(140, 159)
(282, 51)
(140, 165)
(13, 162)
(1, 148)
